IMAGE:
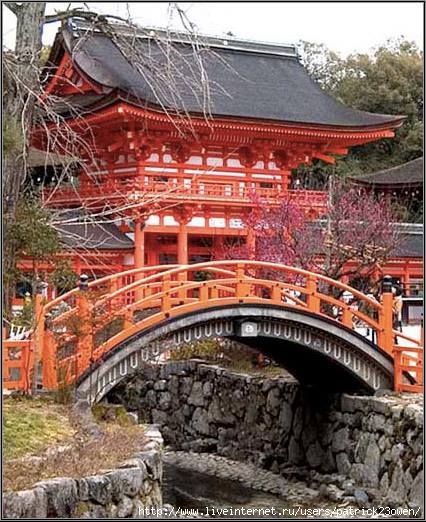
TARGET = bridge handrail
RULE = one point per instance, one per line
(158, 290)
(406, 337)
(174, 269)
(168, 271)
(154, 277)
(21, 361)
(112, 277)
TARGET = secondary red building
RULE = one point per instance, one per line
(171, 164)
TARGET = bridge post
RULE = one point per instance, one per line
(242, 289)
(182, 276)
(385, 335)
(139, 254)
(38, 354)
(312, 299)
(85, 338)
(49, 372)
(166, 301)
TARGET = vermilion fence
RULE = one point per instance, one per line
(79, 328)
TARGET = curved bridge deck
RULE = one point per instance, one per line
(78, 333)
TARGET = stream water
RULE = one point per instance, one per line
(210, 495)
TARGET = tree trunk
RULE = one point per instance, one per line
(21, 87)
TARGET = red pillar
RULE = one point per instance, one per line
(139, 244)
(182, 243)
(406, 279)
(183, 216)
(152, 251)
(139, 254)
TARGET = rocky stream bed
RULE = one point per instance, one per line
(202, 485)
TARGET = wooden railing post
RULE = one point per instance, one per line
(182, 277)
(347, 316)
(276, 293)
(204, 292)
(312, 299)
(85, 336)
(242, 288)
(38, 347)
(397, 373)
(49, 370)
(128, 318)
(385, 335)
(166, 302)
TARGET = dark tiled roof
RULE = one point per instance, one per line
(81, 233)
(411, 246)
(39, 158)
(244, 82)
(410, 243)
(408, 173)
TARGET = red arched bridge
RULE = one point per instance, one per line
(97, 334)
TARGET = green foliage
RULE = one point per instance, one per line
(107, 331)
(202, 275)
(26, 317)
(388, 81)
(65, 394)
(115, 413)
(30, 425)
(325, 66)
(209, 349)
(63, 276)
(30, 232)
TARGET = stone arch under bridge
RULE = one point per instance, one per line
(315, 350)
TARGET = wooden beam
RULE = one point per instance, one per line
(323, 157)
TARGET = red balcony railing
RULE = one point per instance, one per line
(225, 190)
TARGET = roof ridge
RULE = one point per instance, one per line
(223, 42)
(389, 169)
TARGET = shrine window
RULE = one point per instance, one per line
(233, 162)
(200, 258)
(167, 239)
(416, 287)
(167, 259)
(214, 162)
(195, 160)
(202, 241)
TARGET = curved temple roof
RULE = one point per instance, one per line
(246, 79)
(410, 173)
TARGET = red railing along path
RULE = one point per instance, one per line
(79, 328)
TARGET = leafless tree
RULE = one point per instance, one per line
(170, 74)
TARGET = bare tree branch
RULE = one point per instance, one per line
(14, 7)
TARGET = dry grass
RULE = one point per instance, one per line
(30, 425)
(235, 357)
(251, 368)
(71, 455)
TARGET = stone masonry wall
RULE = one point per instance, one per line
(119, 493)
(377, 442)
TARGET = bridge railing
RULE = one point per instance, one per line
(84, 325)
(408, 363)
(18, 364)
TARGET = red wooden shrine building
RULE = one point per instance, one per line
(167, 179)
